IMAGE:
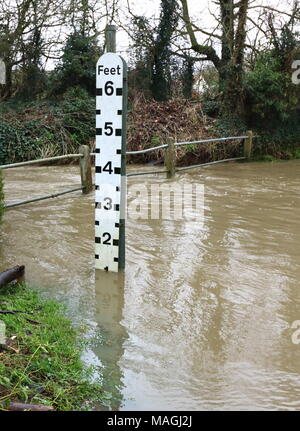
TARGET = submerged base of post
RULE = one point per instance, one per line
(248, 144)
(170, 159)
(86, 169)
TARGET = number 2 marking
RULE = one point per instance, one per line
(107, 241)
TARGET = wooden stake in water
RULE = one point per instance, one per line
(248, 145)
(110, 145)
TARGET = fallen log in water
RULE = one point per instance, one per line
(29, 407)
(16, 273)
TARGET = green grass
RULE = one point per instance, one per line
(44, 366)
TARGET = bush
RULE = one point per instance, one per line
(273, 101)
(1, 197)
(77, 66)
(47, 129)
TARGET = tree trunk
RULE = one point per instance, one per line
(230, 64)
(7, 88)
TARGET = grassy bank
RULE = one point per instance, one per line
(41, 363)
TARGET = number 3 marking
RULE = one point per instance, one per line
(108, 203)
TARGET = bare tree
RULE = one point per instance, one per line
(34, 31)
(234, 35)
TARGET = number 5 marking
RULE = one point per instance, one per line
(109, 129)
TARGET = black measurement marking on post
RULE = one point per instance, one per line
(116, 242)
(117, 171)
(116, 259)
(96, 256)
(119, 92)
(99, 92)
(97, 187)
(97, 150)
(117, 207)
(97, 223)
(98, 169)
(118, 152)
(117, 224)
(98, 111)
(97, 240)
(99, 132)
(120, 112)
(117, 188)
(98, 205)
(118, 132)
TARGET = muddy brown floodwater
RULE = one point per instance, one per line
(202, 318)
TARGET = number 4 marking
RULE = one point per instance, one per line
(108, 168)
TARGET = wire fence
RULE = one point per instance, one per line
(170, 164)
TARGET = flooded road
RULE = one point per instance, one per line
(202, 318)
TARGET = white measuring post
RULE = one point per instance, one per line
(110, 168)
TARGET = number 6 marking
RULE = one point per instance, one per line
(108, 88)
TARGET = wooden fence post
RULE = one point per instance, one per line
(170, 159)
(86, 169)
(248, 145)
(110, 38)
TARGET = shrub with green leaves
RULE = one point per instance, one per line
(273, 100)
(77, 65)
(38, 130)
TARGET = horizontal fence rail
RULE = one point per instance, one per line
(42, 198)
(185, 168)
(147, 150)
(179, 144)
(39, 161)
(136, 174)
(210, 141)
